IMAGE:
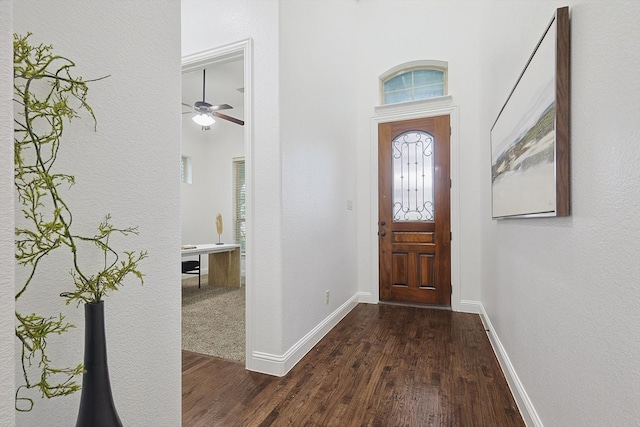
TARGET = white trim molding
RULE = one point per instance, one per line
(523, 401)
(279, 365)
(410, 106)
(442, 106)
(366, 298)
(467, 306)
(218, 55)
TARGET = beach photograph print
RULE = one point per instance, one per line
(523, 181)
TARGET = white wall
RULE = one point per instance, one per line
(419, 30)
(212, 24)
(7, 306)
(129, 168)
(317, 106)
(563, 294)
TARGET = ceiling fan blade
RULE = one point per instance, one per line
(187, 105)
(220, 107)
(231, 119)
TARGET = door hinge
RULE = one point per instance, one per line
(449, 130)
(450, 235)
(450, 184)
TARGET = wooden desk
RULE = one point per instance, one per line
(224, 262)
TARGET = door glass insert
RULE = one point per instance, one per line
(412, 154)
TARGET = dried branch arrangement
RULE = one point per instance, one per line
(46, 96)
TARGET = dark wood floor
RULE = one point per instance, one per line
(382, 365)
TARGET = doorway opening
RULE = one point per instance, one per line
(217, 84)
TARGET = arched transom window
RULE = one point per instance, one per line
(414, 81)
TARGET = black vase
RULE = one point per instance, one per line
(96, 403)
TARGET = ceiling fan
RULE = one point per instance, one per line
(205, 112)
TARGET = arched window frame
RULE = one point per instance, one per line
(412, 66)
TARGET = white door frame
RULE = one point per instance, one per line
(441, 106)
(242, 49)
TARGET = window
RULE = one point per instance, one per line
(239, 199)
(185, 169)
(414, 81)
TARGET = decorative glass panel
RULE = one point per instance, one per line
(413, 162)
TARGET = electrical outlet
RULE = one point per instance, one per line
(326, 297)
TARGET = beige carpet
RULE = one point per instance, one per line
(213, 319)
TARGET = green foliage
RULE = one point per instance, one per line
(91, 289)
(32, 331)
(46, 96)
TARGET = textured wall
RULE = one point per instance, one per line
(129, 168)
(6, 220)
(563, 293)
(317, 105)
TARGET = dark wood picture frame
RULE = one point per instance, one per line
(530, 137)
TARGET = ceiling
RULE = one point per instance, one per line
(223, 79)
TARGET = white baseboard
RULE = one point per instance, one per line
(525, 405)
(279, 365)
(468, 306)
(367, 298)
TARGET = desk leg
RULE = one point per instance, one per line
(224, 269)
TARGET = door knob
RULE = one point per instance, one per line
(383, 223)
(383, 233)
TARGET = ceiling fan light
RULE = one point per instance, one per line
(204, 119)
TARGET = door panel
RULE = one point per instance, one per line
(400, 269)
(427, 271)
(414, 211)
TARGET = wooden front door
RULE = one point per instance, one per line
(414, 225)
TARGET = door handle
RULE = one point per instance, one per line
(382, 233)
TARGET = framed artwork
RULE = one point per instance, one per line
(530, 137)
